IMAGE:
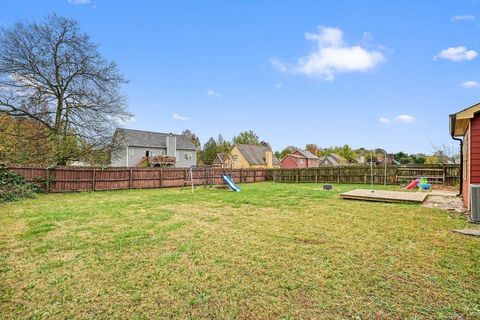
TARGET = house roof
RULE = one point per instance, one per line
(221, 158)
(295, 157)
(334, 158)
(255, 154)
(139, 138)
(307, 154)
(459, 121)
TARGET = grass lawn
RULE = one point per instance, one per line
(284, 251)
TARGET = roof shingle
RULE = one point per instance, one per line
(141, 138)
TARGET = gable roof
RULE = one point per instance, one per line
(139, 138)
(334, 158)
(307, 154)
(221, 158)
(255, 154)
(459, 121)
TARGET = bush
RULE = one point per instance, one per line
(14, 187)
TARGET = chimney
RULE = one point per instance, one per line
(269, 158)
(171, 145)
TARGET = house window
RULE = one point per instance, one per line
(301, 161)
(147, 153)
(131, 152)
(234, 157)
(188, 156)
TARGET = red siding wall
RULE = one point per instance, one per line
(288, 162)
(475, 150)
(308, 163)
(313, 163)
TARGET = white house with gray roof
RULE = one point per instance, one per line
(136, 146)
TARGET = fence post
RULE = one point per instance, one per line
(130, 179)
(338, 174)
(161, 178)
(297, 173)
(254, 175)
(47, 183)
(443, 175)
(93, 179)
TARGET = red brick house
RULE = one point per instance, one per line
(300, 159)
(466, 124)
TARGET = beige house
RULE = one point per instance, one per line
(223, 160)
(252, 156)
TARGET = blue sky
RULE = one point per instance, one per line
(368, 73)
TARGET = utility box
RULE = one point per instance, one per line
(475, 204)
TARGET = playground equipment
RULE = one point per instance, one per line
(421, 184)
(189, 180)
(229, 181)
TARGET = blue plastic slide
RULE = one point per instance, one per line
(228, 180)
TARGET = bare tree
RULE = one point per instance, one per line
(446, 154)
(52, 73)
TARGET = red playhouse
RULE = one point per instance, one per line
(466, 124)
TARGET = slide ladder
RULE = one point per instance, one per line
(228, 180)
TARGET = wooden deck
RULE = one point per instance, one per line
(385, 196)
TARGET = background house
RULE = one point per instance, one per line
(300, 159)
(223, 160)
(332, 159)
(139, 148)
(253, 156)
(466, 124)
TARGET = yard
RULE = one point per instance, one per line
(271, 251)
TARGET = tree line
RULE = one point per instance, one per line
(207, 152)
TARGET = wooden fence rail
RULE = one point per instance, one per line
(67, 179)
(396, 175)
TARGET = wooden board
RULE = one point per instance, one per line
(469, 232)
(385, 196)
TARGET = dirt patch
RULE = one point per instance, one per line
(445, 200)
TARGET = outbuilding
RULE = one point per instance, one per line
(465, 128)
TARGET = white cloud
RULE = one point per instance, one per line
(470, 84)
(405, 118)
(213, 93)
(79, 2)
(278, 85)
(176, 116)
(456, 54)
(463, 17)
(384, 120)
(332, 56)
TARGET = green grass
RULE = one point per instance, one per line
(279, 251)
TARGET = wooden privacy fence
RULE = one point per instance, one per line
(67, 179)
(437, 174)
